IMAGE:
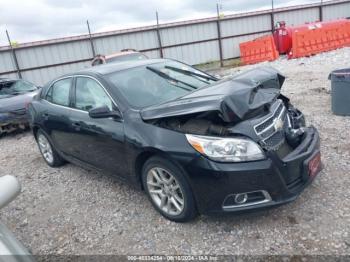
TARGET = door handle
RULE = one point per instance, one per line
(76, 126)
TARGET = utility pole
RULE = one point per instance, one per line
(321, 11)
(158, 36)
(90, 38)
(14, 55)
(272, 17)
(219, 35)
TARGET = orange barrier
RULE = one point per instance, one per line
(319, 37)
(258, 50)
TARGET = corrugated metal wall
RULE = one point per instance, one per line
(336, 11)
(299, 16)
(194, 42)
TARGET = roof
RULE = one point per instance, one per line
(115, 67)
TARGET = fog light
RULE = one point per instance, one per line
(241, 198)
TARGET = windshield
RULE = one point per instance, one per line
(127, 57)
(16, 87)
(157, 83)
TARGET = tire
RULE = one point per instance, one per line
(170, 193)
(47, 151)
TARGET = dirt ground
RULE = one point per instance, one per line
(73, 211)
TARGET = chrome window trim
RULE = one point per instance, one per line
(66, 107)
(76, 109)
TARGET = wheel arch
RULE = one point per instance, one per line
(141, 160)
(153, 152)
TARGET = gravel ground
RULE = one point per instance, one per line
(73, 211)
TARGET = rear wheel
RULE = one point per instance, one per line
(49, 154)
(168, 190)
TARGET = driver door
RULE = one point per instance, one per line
(98, 142)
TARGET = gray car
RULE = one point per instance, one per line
(15, 95)
(10, 248)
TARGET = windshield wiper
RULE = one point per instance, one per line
(166, 76)
(191, 73)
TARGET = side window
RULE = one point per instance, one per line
(59, 92)
(90, 94)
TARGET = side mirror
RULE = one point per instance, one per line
(104, 112)
(9, 189)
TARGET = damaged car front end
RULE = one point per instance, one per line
(253, 148)
(15, 95)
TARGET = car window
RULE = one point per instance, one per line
(16, 87)
(153, 84)
(59, 92)
(90, 94)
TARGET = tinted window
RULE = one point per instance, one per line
(59, 92)
(89, 94)
(157, 83)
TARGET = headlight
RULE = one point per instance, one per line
(226, 149)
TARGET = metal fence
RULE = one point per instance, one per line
(194, 42)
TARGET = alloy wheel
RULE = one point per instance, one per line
(165, 191)
(45, 148)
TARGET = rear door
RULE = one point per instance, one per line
(99, 142)
(56, 114)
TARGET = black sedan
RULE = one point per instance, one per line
(193, 143)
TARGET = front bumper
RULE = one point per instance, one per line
(283, 179)
(13, 120)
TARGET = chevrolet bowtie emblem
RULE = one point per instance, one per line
(278, 124)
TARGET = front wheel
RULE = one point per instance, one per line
(49, 154)
(168, 190)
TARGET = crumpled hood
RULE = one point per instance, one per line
(235, 98)
(17, 102)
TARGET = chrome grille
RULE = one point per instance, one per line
(268, 122)
(267, 131)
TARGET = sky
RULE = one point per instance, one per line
(33, 20)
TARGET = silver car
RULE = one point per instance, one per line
(15, 95)
(10, 248)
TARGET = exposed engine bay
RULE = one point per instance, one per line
(250, 105)
(210, 124)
